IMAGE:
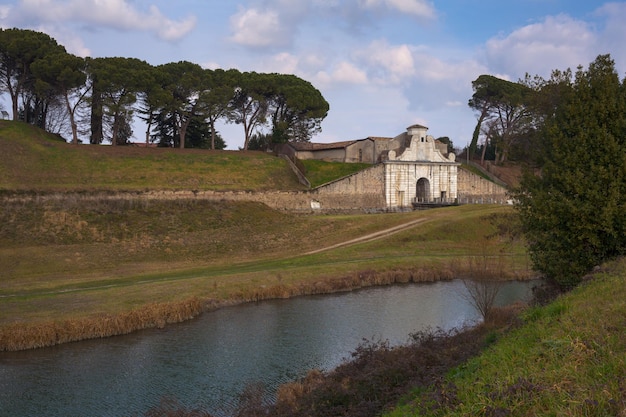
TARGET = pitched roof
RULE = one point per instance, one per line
(416, 126)
(311, 146)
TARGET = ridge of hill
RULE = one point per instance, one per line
(33, 160)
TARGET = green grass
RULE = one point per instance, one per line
(116, 255)
(568, 359)
(322, 172)
(93, 251)
(474, 170)
(33, 160)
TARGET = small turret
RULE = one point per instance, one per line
(417, 130)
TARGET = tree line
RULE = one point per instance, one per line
(180, 102)
(570, 133)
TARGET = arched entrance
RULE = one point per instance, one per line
(422, 193)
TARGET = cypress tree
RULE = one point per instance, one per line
(574, 211)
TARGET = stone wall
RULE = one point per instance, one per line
(368, 181)
(360, 192)
(474, 189)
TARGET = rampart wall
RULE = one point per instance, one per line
(474, 189)
(359, 192)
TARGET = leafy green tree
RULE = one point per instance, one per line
(503, 116)
(19, 49)
(297, 109)
(36, 103)
(250, 104)
(164, 131)
(201, 135)
(153, 98)
(573, 211)
(260, 142)
(215, 100)
(65, 74)
(184, 85)
(546, 97)
(292, 107)
(115, 85)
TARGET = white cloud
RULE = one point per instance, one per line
(4, 12)
(614, 34)
(418, 8)
(344, 72)
(72, 43)
(117, 14)
(252, 27)
(559, 42)
(286, 63)
(390, 64)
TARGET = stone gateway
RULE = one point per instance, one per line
(420, 173)
(411, 170)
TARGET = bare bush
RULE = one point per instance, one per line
(482, 293)
(483, 282)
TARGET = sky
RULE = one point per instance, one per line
(382, 65)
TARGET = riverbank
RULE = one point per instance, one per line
(568, 358)
(377, 376)
(74, 272)
(22, 336)
(565, 357)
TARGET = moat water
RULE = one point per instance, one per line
(207, 362)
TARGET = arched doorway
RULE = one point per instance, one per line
(422, 193)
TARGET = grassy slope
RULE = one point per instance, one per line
(70, 258)
(107, 254)
(32, 160)
(322, 172)
(569, 359)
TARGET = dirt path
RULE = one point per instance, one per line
(361, 239)
(371, 237)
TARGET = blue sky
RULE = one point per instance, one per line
(381, 64)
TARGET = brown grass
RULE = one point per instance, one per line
(91, 263)
(21, 336)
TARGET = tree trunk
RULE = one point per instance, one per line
(96, 118)
(482, 157)
(148, 127)
(212, 124)
(70, 112)
(182, 133)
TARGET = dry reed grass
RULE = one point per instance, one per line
(18, 336)
(354, 281)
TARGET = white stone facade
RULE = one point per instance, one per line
(419, 172)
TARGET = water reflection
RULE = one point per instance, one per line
(207, 362)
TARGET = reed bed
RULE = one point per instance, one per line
(353, 281)
(18, 336)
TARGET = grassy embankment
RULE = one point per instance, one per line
(73, 269)
(568, 359)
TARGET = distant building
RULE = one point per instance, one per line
(372, 149)
(420, 172)
(417, 169)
